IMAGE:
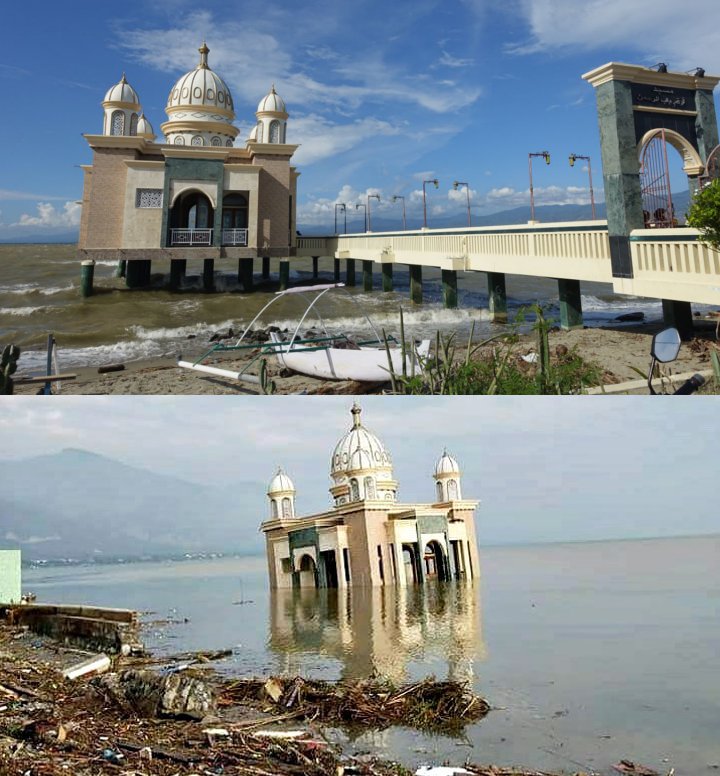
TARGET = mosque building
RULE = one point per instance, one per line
(367, 538)
(196, 193)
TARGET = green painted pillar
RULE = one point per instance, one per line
(266, 268)
(209, 274)
(416, 289)
(121, 268)
(138, 273)
(245, 274)
(336, 270)
(570, 304)
(87, 274)
(350, 273)
(449, 287)
(387, 276)
(679, 315)
(178, 267)
(367, 275)
(497, 296)
(284, 274)
(315, 266)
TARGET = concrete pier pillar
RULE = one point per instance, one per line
(315, 266)
(178, 267)
(449, 288)
(497, 296)
(570, 304)
(266, 268)
(416, 288)
(367, 275)
(121, 268)
(350, 273)
(87, 275)
(209, 274)
(245, 274)
(387, 276)
(679, 315)
(138, 273)
(284, 274)
(336, 270)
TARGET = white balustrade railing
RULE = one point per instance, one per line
(191, 237)
(235, 237)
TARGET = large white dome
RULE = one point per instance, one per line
(201, 87)
(359, 450)
(122, 93)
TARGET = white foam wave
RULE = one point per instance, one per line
(19, 311)
(181, 332)
(119, 352)
(23, 289)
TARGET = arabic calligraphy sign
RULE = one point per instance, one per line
(663, 97)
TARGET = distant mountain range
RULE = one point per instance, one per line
(80, 505)
(518, 215)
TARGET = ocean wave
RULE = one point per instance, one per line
(178, 333)
(119, 352)
(20, 311)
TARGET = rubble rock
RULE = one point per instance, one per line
(153, 695)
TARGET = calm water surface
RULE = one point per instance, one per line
(589, 652)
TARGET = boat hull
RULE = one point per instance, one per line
(366, 364)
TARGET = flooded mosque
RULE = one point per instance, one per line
(194, 194)
(367, 537)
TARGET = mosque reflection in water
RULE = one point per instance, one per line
(384, 631)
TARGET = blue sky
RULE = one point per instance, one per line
(381, 96)
(544, 468)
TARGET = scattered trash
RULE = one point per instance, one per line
(531, 358)
(95, 665)
(112, 756)
(628, 766)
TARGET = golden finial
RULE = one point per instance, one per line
(356, 410)
(204, 51)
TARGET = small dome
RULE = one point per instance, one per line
(280, 483)
(253, 133)
(122, 92)
(144, 127)
(272, 102)
(446, 465)
(359, 449)
(200, 88)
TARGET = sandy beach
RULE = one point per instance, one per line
(618, 350)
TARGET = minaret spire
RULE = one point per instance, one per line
(204, 51)
(356, 410)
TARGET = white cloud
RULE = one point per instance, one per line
(449, 61)
(49, 216)
(508, 197)
(664, 30)
(320, 138)
(14, 196)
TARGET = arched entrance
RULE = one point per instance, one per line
(435, 562)
(655, 177)
(712, 167)
(191, 219)
(234, 219)
(307, 574)
(411, 561)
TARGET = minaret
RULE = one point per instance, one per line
(122, 108)
(281, 493)
(271, 119)
(447, 479)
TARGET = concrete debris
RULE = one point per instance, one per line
(95, 665)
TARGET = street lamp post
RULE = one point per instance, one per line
(395, 199)
(343, 207)
(369, 197)
(456, 186)
(546, 156)
(364, 207)
(434, 181)
(573, 158)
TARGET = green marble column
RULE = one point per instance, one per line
(138, 273)
(284, 274)
(266, 268)
(121, 268)
(497, 296)
(416, 288)
(387, 276)
(87, 275)
(178, 268)
(245, 274)
(449, 288)
(350, 273)
(209, 274)
(367, 275)
(315, 265)
(570, 304)
(336, 270)
(679, 315)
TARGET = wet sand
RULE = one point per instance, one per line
(619, 351)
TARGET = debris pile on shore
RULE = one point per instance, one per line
(437, 707)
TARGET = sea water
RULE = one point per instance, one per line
(588, 652)
(39, 294)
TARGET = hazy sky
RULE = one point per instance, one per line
(381, 95)
(544, 468)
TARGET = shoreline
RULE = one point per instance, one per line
(618, 350)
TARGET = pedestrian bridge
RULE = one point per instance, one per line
(668, 264)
